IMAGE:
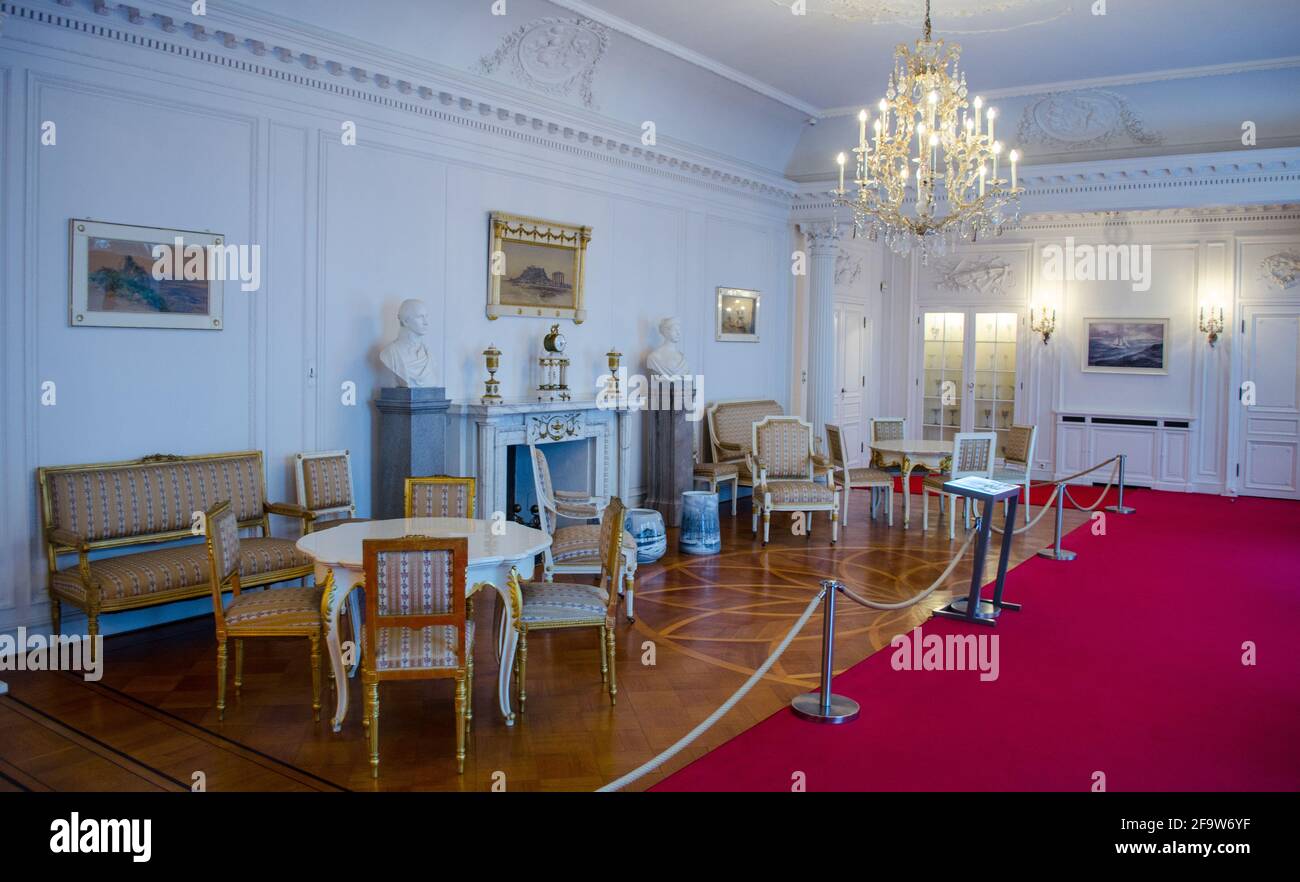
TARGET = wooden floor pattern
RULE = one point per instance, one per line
(706, 623)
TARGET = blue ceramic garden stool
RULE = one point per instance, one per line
(701, 532)
(647, 527)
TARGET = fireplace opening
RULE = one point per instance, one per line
(573, 468)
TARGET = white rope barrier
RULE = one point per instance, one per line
(912, 601)
(684, 742)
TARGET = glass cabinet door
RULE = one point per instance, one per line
(975, 394)
(943, 382)
(995, 373)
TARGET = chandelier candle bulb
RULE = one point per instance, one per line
(862, 128)
(993, 114)
(840, 160)
(997, 151)
(1015, 157)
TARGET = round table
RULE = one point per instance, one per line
(907, 454)
(492, 554)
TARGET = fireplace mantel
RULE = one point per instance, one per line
(487, 432)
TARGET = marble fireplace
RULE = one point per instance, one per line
(481, 438)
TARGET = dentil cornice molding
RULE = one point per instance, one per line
(234, 39)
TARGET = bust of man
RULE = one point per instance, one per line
(668, 360)
(407, 356)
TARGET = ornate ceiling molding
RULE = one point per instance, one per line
(1281, 270)
(959, 16)
(267, 57)
(555, 56)
(1082, 120)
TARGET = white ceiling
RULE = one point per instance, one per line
(840, 52)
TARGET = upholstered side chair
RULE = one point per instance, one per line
(440, 496)
(551, 605)
(972, 454)
(325, 488)
(416, 626)
(886, 429)
(576, 549)
(880, 483)
(1017, 460)
(781, 455)
(274, 612)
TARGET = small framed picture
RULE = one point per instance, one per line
(123, 276)
(1126, 346)
(535, 268)
(737, 315)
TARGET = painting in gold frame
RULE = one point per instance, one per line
(737, 315)
(535, 268)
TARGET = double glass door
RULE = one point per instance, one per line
(968, 380)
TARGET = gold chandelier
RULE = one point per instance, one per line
(932, 148)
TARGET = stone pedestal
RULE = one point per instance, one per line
(412, 442)
(671, 463)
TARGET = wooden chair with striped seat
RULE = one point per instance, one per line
(552, 605)
(781, 455)
(439, 496)
(972, 454)
(416, 624)
(576, 549)
(879, 482)
(274, 612)
(325, 488)
(1017, 460)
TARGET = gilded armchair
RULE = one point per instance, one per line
(552, 605)
(781, 456)
(274, 612)
(324, 482)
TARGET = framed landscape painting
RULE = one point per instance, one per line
(113, 283)
(1126, 346)
(535, 268)
(737, 315)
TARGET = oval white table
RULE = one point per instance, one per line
(491, 556)
(907, 454)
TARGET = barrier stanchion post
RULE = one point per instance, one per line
(825, 706)
(1056, 552)
(1119, 507)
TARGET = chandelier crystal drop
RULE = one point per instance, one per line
(931, 172)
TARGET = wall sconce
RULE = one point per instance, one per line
(1044, 325)
(1213, 326)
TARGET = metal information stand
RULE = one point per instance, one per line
(973, 608)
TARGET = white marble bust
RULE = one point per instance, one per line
(407, 356)
(668, 360)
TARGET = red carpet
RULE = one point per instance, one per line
(1127, 661)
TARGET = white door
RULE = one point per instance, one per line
(1270, 431)
(850, 376)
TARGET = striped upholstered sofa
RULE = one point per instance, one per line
(731, 427)
(112, 506)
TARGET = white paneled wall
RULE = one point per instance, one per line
(163, 139)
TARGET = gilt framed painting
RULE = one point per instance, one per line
(124, 276)
(1126, 346)
(535, 268)
(737, 315)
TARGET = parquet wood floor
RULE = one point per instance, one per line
(705, 622)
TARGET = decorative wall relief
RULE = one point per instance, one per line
(1281, 270)
(990, 275)
(1082, 119)
(555, 56)
(848, 268)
